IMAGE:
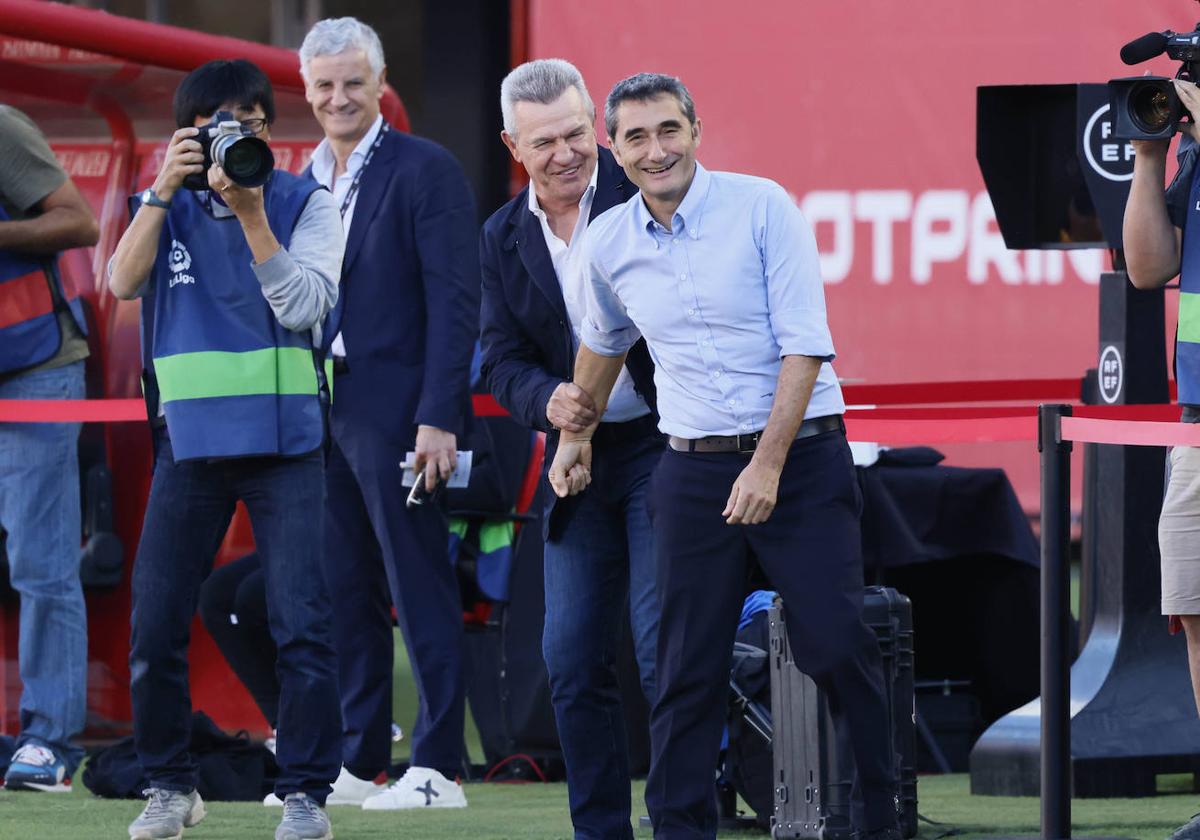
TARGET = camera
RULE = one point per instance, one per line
(246, 159)
(1147, 107)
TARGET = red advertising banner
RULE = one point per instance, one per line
(865, 113)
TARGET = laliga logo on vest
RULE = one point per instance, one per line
(179, 261)
(1110, 157)
(1110, 374)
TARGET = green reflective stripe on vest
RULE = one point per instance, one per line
(214, 373)
(494, 536)
(1189, 317)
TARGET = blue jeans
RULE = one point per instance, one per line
(39, 508)
(191, 503)
(603, 555)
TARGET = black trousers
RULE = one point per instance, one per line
(233, 607)
(810, 550)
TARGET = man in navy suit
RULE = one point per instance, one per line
(599, 547)
(402, 339)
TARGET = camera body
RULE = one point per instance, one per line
(1147, 107)
(246, 159)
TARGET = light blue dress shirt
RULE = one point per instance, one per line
(721, 298)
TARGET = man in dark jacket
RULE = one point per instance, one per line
(402, 338)
(599, 547)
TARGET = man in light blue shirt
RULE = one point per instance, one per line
(719, 273)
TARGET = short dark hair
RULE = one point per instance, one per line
(643, 87)
(211, 85)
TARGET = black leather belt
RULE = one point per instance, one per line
(748, 443)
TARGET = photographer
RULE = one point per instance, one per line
(234, 283)
(1162, 239)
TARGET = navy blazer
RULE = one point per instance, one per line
(526, 342)
(408, 307)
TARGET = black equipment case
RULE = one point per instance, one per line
(814, 765)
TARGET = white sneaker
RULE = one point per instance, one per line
(419, 787)
(348, 789)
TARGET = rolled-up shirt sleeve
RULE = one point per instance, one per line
(300, 282)
(795, 295)
(606, 329)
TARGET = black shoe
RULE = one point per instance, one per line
(1190, 830)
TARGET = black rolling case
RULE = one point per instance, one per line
(814, 765)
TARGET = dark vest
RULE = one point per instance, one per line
(232, 381)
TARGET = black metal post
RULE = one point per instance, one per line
(1056, 611)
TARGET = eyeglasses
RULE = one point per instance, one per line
(255, 124)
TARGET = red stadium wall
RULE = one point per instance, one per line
(865, 112)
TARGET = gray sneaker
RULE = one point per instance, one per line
(303, 819)
(1190, 830)
(166, 815)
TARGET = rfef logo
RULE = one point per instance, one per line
(1110, 157)
(1111, 373)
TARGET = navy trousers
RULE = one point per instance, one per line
(810, 550)
(189, 509)
(379, 553)
(602, 560)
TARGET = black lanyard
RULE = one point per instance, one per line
(350, 193)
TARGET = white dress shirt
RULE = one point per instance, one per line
(624, 403)
(733, 287)
(323, 164)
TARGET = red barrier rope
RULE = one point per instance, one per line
(132, 411)
(976, 430)
(1004, 390)
(1127, 433)
(1138, 425)
(72, 411)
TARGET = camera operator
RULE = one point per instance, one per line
(1161, 239)
(234, 283)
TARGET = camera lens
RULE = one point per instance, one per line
(241, 161)
(246, 160)
(1152, 106)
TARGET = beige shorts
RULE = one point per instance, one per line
(1179, 534)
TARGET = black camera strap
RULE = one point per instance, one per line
(384, 128)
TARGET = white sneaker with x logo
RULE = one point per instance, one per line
(419, 787)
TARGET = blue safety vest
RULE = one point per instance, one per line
(1187, 339)
(30, 292)
(232, 381)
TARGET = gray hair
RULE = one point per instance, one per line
(543, 81)
(643, 87)
(332, 36)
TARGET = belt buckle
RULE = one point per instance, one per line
(747, 443)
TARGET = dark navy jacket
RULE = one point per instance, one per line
(526, 337)
(408, 307)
